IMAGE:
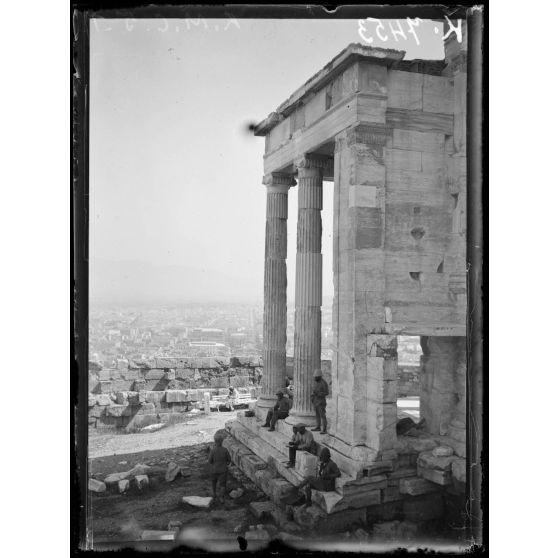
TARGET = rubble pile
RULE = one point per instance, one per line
(137, 478)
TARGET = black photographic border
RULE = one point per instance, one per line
(477, 229)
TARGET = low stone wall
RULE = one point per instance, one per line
(137, 409)
(153, 391)
(177, 373)
(408, 380)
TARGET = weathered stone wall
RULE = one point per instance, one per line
(422, 247)
(177, 373)
(399, 258)
(152, 391)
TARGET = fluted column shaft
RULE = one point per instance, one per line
(275, 288)
(308, 290)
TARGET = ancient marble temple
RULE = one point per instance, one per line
(388, 137)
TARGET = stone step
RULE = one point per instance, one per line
(264, 450)
(278, 440)
(274, 486)
(355, 461)
(351, 502)
(249, 460)
(266, 444)
(348, 483)
(353, 471)
(349, 493)
(350, 467)
(437, 476)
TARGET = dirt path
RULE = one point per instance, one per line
(196, 429)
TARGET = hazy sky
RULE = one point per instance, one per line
(175, 177)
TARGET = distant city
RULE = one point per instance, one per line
(120, 333)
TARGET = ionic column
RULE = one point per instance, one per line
(275, 288)
(308, 287)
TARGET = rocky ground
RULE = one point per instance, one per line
(116, 517)
(124, 516)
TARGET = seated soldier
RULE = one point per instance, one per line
(302, 440)
(325, 481)
(279, 411)
(232, 398)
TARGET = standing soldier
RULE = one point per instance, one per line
(219, 460)
(319, 394)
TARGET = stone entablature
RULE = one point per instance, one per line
(412, 186)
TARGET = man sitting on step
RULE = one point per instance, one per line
(232, 398)
(279, 411)
(325, 481)
(302, 440)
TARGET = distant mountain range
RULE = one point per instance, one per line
(142, 282)
(139, 282)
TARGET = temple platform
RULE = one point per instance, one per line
(411, 486)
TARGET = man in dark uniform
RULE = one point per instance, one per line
(319, 394)
(325, 481)
(279, 411)
(219, 460)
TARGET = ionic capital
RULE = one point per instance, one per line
(311, 161)
(278, 183)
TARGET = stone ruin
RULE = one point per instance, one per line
(138, 394)
(390, 134)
